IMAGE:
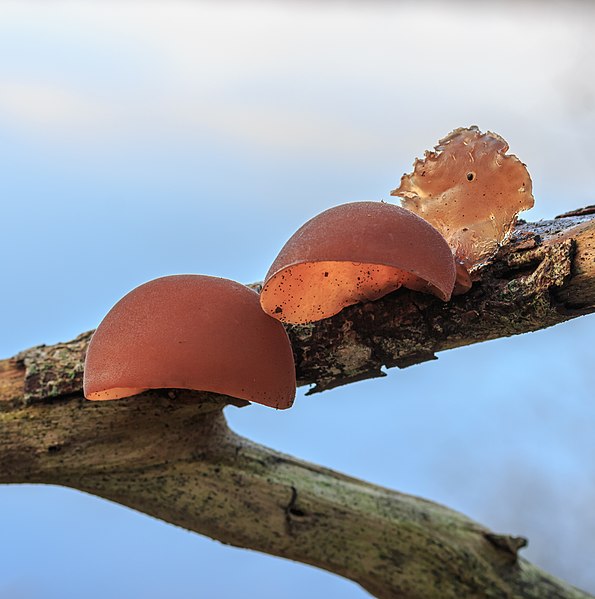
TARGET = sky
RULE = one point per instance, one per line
(140, 140)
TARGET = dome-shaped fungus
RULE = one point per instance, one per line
(191, 332)
(471, 191)
(351, 253)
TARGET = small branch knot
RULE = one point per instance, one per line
(292, 512)
(509, 544)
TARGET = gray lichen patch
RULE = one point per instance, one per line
(52, 371)
(353, 356)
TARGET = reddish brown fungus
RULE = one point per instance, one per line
(191, 332)
(471, 191)
(352, 253)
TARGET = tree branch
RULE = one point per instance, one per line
(176, 459)
(169, 455)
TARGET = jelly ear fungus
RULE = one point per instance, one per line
(191, 332)
(352, 253)
(471, 191)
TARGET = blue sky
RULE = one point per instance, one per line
(144, 140)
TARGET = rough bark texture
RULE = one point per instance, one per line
(544, 277)
(169, 453)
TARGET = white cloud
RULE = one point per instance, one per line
(304, 77)
(45, 106)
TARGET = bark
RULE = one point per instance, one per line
(169, 453)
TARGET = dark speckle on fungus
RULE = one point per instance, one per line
(355, 253)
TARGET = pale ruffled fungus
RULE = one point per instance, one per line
(352, 253)
(471, 191)
(191, 332)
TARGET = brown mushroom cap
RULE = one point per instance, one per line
(352, 253)
(471, 191)
(191, 332)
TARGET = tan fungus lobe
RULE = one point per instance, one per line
(353, 253)
(471, 191)
(191, 332)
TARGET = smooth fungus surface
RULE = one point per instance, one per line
(191, 332)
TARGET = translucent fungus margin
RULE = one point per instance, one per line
(471, 191)
(352, 253)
